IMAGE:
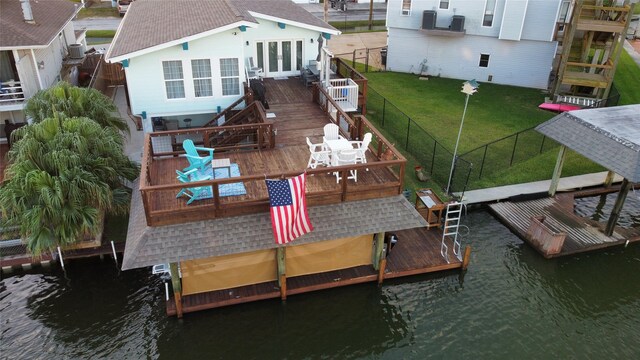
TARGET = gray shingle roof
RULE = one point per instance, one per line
(608, 136)
(150, 23)
(147, 246)
(50, 16)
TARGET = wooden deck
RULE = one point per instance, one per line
(296, 118)
(417, 252)
(582, 234)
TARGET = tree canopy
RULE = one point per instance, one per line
(73, 101)
(63, 175)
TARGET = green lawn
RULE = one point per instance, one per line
(98, 12)
(437, 104)
(627, 79)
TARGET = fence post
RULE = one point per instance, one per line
(353, 62)
(513, 153)
(542, 144)
(366, 62)
(433, 158)
(483, 158)
(406, 146)
(384, 108)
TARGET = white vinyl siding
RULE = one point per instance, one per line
(173, 79)
(201, 72)
(230, 76)
(513, 19)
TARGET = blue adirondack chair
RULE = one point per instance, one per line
(195, 160)
(191, 192)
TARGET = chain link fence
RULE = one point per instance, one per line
(405, 133)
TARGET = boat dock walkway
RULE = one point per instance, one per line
(550, 222)
(505, 192)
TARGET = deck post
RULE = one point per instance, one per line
(382, 267)
(283, 287)
(466, 258)
(608, 181)
(378, 248)
(281, 255)
(177, 288)
(555, 179)
(617, 207)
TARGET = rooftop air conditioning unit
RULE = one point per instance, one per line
(457, 23)
(429, 19)
(76, 51)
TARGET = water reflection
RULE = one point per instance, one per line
(599, 208)
(512, 301)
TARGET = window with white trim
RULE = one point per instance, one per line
(230, 76)
(406, 7)
(444, 4)
(173, 79)
(484, 60)
(201, 72)
(489, 10)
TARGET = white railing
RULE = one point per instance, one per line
(11, 92)
(345, 93)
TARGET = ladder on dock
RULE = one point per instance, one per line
(450, 231)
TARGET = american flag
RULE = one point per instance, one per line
(289, 217)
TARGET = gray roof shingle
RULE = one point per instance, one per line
(50, 16)
(150, 23)
(147, 246)
(608, 136)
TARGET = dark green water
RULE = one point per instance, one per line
(510, 302)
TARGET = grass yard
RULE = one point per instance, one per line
(627, 79)
(436, 104)
(98, 12)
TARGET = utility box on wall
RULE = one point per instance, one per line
(457, 23)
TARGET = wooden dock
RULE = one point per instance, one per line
(582, 234)
(417, 252)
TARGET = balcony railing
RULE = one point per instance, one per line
(603, 18)
(345, 93)
(11, 93)
(346, 71)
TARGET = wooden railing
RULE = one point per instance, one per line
(343, 69)
(246, 99)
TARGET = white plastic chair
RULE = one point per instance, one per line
(361, 148)
(252, 71)
(318, 157)
(346, 157)
(331, 132)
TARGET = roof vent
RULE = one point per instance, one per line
(26, 11)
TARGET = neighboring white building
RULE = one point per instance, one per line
(188, 58)
(502, 41)
(34, 40)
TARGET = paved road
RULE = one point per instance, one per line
(101, 23)
(355, 12)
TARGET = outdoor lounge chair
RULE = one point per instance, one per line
(331, 132)
(346, 157)
(319, 155)
(361, 148)
(192, 192)
(195, 160)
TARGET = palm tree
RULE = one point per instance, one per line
(73, 101)
(63, 174)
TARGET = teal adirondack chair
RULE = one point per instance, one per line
(192, 192)
(195, 160)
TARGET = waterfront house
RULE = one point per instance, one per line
(35, 39)
(218, 245)
(570, 47)
(187, 60)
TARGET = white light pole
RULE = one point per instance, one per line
(468, 87)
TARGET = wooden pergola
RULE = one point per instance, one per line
(607, 136)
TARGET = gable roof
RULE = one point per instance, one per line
(608, 136)
(150, 24)
(51, 16)
(147, 246)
